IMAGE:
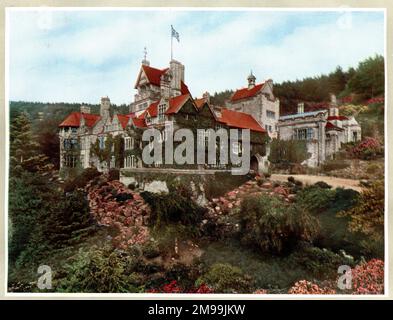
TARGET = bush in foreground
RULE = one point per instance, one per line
(273, 226)
(225, 278)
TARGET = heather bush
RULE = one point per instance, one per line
(273, 226)
(307, 287)
(368, 278)
(369, 148)
(225, 278)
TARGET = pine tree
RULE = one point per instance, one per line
(24, 147)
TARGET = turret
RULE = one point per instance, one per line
(251, 81)
(105, 107)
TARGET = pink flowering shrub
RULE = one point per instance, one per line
(174, 287)
(368, 278)
(307, 287)
(367, 149)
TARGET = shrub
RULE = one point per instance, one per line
(372, 168)
(315, 198)
(174, 287)
(98, 270)
(173, 208)
(368, 215)
(368, 278)
(322, 184)
(320, 263)
(150, 249)
(273, 226)
(307, 287)
(225, 278)
(369, 148)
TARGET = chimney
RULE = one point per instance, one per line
(177, 70)
(206, 97)
(333, 108)
(300, 107)
(85, 109)
(105, 107)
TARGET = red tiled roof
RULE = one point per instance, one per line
(123, 119)
(153, 74)
(337, 118)
(176, 102)
(246, 93)
(184, 88)
(152, 109)
(331, 126)
(139, 122)
(74, 118)
(239, 120)
(199, 102)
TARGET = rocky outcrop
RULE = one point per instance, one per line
(114, 205)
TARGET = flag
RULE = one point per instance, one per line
(175, 34)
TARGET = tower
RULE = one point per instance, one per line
(105, 107)
(251, 80)
(177, 70)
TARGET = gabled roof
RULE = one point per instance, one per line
(154, 77)
(153, 74)
(139, 122)
(239, 120)
(199, 102)
(123, 119)
(247, 93)
(152, 110)
(331, 126)
(74, 118)
(176, 103)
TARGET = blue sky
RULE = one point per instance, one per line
(79, 56)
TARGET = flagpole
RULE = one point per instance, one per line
(171, 44)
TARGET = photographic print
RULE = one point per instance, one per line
(196, 151)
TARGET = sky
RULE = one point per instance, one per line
(80, 56)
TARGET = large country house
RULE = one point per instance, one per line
(163, 101)
(323, 130)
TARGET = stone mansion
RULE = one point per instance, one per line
(163, 101)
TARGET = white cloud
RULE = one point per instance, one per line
(81, 56)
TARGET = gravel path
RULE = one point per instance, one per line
(309, 179)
